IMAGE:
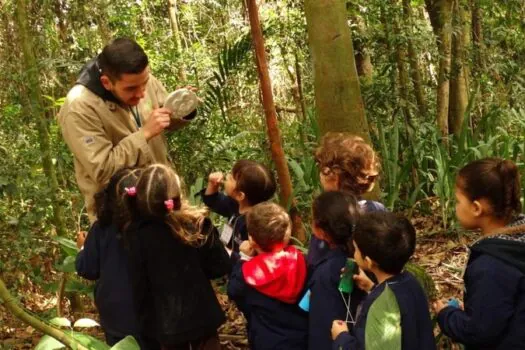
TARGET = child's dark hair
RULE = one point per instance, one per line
(336, 213)
(386, 238)
(110, 202)
(159, 197)
(255, 180)
(269, 225)
(495, 179)
(351, 158)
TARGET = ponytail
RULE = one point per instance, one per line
(511, 180)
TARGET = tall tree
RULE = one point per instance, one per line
(274, 134)
(459, 77)
(444, 42)
(172, 9)
(336, 83)
(34, 107)
(415, 68)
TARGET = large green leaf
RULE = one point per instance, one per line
(69, 246)
(128, 343)
(383, 323)
(49, 343)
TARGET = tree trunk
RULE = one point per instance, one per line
(176, 39)
(10, 304)
(477, 36)
(401, 57)
(443, 90)
(415, 69)
(336, 83)
(363, 61)
(459, 84)
(35, 108)
(274, 134)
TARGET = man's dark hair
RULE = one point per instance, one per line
(122, 56)
(386, 238)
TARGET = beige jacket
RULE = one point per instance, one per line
(104, 137)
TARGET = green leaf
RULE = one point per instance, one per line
(383, 323)
(60, 322)
(89, 342)
(68, 246)
(128, 343)
(85, 323)
(68, 265)
(49, 343)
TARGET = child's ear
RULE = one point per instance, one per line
(240, 196)
(478, 208)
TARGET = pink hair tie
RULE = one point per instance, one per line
(131, 191)
(169, 204)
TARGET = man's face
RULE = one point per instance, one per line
(129, 88)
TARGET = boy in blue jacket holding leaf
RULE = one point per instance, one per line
(395, 313)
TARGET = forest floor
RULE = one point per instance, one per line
(442, 255)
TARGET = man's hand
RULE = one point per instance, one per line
(159, 119)
(81, 238)
(214, 182)
(338, 327)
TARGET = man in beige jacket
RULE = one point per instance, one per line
(112, 118)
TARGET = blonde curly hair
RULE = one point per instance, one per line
(351, 159)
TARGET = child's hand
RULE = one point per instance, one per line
(338, 327)
(214, 182)
(247, 248)
(439, 305)
(363, 282)
(81, 238)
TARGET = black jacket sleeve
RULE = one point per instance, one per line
(87, 262)
(215, 261)
(220, 203)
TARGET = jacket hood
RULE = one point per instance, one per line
(507, 244)
(278, 275)
(90, 78)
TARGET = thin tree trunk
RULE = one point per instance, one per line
(34, 108)
(459, 84)
(172, 7)
(443, 90)
(102, 23)
(336, 83)
(477, 36)
(401, 58)
(10, 304)
(274, 134)
(415, 69)
(363, 61)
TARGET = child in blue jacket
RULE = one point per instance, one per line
(334, 217)
(104, 259)
(383, 243)
(347, 164)
(248, 184)
(493, 317)
(268, 280)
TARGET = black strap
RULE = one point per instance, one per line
(136, 115)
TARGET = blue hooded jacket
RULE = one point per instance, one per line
(494, 298)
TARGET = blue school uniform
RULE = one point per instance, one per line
(327, 303)
(494, 298)
(414, 317)
(104, 259)
(266, 289)
(226, 206)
